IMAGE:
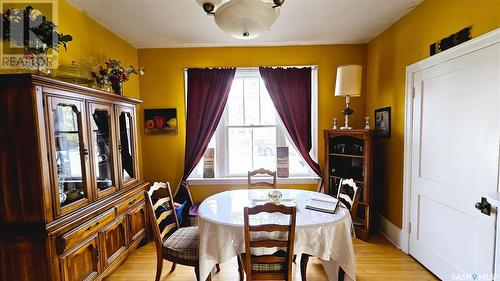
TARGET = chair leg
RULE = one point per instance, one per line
(159, 267)
(197, 272)
(173, 267)
(241, 268)
(303, 266)
(341, 274)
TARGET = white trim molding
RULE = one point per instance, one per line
(244, 181)
(483, 41)
(389, 231)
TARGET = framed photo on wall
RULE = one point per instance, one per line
(160, 121)
(383, 122)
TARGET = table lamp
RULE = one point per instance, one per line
(348, 84)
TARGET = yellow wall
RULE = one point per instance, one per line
(163, 86)
(404, 43)
(90, 39)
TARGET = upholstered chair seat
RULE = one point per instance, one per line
(183, 243)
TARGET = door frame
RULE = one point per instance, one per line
(483, 41)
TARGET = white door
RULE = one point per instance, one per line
(455, 157)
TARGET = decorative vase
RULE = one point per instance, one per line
(117, 87)
(101, 83)
(37, 62)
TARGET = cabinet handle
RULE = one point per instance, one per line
(131, 202)
(92, 226)
(86, 153)
(119, 147)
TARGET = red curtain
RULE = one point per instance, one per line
(290, 91)
(207, 93)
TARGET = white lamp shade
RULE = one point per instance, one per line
(348, 81)
(246, 19)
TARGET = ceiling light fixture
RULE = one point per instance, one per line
(243, 19)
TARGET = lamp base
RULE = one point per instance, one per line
(347, 111)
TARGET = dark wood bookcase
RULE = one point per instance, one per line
(349, 154)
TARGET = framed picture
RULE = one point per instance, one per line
(383, 122)
(160, 121)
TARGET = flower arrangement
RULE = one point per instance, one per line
(18, 22)
(113, 74)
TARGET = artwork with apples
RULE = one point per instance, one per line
(160, 121)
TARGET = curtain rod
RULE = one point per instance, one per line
(313, 67)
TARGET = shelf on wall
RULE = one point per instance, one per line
(347, 155)
(341, 178)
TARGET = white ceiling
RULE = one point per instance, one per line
(183, 23)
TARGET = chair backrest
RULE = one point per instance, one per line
(283, 261)
(348, 194)
(261, 183)
(161, 211)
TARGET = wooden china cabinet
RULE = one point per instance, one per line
(72, 198)
(349, 155)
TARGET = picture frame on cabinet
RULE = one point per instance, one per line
(383, 122)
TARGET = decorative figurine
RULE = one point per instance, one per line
(367, 122)
(335, 123)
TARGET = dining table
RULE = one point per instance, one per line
(320, 233)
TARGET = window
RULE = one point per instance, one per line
(250, 131)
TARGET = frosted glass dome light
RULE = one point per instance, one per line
(244, 19)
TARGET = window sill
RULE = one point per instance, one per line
(242, 180)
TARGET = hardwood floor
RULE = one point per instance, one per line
(376, 261)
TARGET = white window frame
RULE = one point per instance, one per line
(222, 175)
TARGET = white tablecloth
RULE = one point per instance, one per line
(322, 235)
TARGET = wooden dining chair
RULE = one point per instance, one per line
(348, 193)
(175, 244)
(277, 266)
(261, 171)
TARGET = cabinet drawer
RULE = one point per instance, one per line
(82, 263)
(123, 206)
(81, 232)
(137, 224)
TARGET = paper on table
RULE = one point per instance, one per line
(323, 205)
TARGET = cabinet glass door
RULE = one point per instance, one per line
(127, 145)
(102, 149)
(69, 154)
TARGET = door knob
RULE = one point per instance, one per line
(484, 206)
